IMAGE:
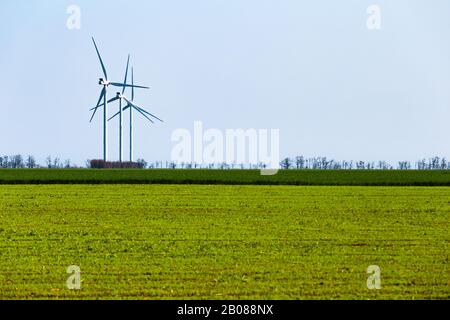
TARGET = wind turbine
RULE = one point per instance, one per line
(103, 95)
(131, 105)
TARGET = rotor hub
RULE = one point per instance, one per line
(103, 82)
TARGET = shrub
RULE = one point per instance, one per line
(101, 164)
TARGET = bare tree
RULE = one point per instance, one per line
(300, 162)
(56, 163)
(48, 162)
(31, 162)
(404, 165)
(286, 163)
(17, 162)
(443, 164)
(360, 165)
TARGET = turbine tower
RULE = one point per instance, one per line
(103, 96)
(131, 116)
(120, 110)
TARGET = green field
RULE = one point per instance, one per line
(224, 242)
(235, 177)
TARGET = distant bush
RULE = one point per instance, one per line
(101, 164)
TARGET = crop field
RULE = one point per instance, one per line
(234, 177)
(223, 242)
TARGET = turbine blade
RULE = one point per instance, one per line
(140, 87)
(102, 104)
(129, 102)
(141, 111)
(93, 114)
(98, 104)
(115, 115)
(138, 110)
(150, 114)
(118, 112)
(102, 94)
(116, 84)
(126, 74)
(100, 58)
(113, 99)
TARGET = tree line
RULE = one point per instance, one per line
(20, 162)
(323, 163)
(298, 163)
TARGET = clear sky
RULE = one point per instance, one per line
(309, 68)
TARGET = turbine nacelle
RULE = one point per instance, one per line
(103, 82)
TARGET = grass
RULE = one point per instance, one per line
(223, 242)
(233, 177)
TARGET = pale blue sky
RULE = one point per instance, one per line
(310, 68)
